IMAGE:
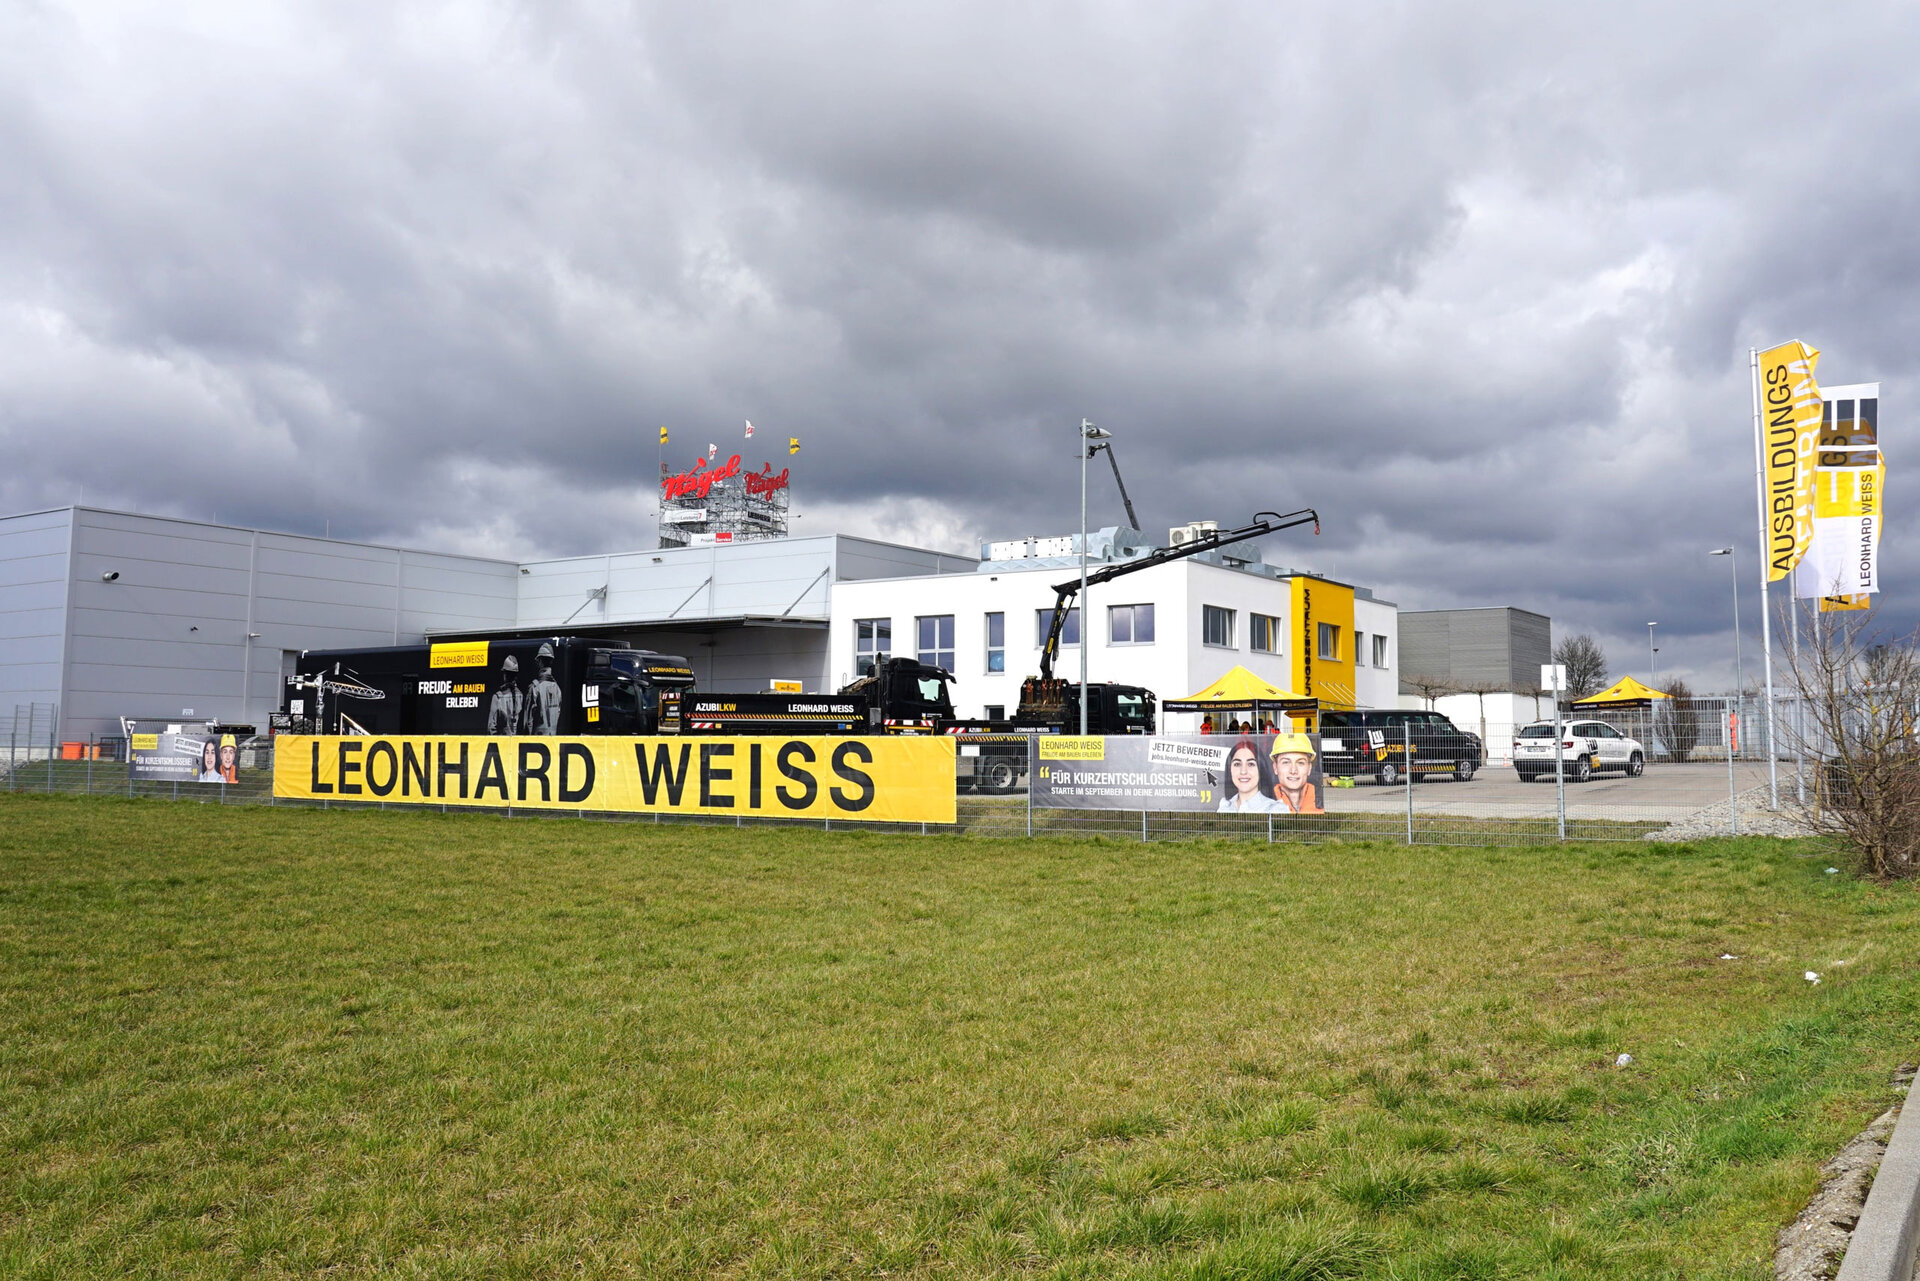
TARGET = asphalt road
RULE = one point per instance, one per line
(1665, 792)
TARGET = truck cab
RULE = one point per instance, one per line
(905, 696)
(638, 691)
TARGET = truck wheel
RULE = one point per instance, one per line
(1463, 771)
(1000, 776)
(1388, 774)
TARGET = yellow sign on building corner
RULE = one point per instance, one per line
(1323, 642)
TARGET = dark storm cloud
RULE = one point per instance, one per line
(1476, 283)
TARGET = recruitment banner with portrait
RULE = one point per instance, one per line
(871, 780)
(177, 753)
(1204, 773)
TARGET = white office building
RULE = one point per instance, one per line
(1173, 628)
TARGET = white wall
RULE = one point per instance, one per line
(1175, 665)
(33, 608)
(173, 630)
(1495, 717)
(1377, 686)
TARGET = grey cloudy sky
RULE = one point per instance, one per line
(1478, 282)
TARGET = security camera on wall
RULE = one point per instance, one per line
(110, 576)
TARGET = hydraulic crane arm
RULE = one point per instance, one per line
(1064, 593)
(1114, 463)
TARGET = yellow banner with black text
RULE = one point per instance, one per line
(1790, 407)
(873, 780)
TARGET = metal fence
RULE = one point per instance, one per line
(1419, 790)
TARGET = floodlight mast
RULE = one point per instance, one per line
(1064, 593)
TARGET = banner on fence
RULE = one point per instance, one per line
(180, 755)
(1209, 773)
(873, 780)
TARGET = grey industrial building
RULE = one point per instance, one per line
(107, 614)
(1496, 648)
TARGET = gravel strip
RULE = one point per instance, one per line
(1755, 819)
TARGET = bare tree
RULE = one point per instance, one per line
(1480, 690)
(1586, 665)
(1427, 687)
(1860, 693)
(1676, 719)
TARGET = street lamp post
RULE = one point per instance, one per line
(1088, 434)
(1739, 673)
(1653, 671)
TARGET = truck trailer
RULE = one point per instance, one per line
(554, 685)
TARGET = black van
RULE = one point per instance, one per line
(1374, 741)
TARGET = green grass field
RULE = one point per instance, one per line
(265, 1042)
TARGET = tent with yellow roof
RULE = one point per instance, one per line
(1623, 694)
(1239, 690)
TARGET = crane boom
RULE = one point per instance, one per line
(1114, 463)
(1065, 592)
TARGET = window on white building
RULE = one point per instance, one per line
(872, 637)
(1263, 633)
(1216, 626)
(996, 644)
(1329, 641)
(1379, 650)
(936, 640)
(1069, 633)
(1130, 624)
(996, 711)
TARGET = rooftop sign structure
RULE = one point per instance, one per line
(722, 503)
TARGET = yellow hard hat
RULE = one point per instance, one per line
(226, 740)
(1285, 743)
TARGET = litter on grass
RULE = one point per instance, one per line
(1813, 976)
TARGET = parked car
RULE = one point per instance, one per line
(1374, 741)
(1586, 746)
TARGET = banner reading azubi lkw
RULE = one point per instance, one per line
(1787, 400)
(873, 780)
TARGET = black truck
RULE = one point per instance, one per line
(899, 696)
(555, 685)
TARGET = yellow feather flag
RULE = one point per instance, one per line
(793, 444)
(663, 435)
(1791, 414)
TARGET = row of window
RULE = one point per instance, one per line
(1126, 625)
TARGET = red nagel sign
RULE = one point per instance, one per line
(697, 482)
(766, 482)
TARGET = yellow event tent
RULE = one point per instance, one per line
(1241, 691)
(1622, 694)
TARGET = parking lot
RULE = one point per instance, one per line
(1667, 792)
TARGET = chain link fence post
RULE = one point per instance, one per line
(1406, 763)
(1033, 751)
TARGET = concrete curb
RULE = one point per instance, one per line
(1883, 1241)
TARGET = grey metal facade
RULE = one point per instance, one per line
(112, 614)
(1497, 648)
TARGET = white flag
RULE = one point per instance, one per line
(711, 451)
(749, 423)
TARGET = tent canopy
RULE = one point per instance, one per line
(1241, 691)
(1625, 692)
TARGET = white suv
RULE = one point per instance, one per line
(1585, 746)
